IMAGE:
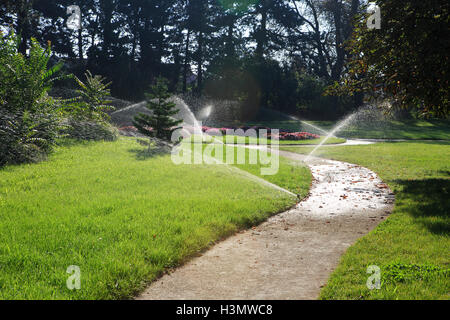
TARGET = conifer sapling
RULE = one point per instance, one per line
(160, 124)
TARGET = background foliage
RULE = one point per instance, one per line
(28, 116)
(250, 50)
(407, 60)
(30, 119)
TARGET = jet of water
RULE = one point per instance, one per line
(185, 108)
(136, 105)
(309, 125)
(341, 125)
(206, 113)
(249, 176)
(187, 115)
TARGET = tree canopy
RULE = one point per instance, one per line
(406, 61)
(264, 52)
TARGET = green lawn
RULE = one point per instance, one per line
(412, 247)
(254, 141)
(121, 217)
(291, 175)
(409, 130)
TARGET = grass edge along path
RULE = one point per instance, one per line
(412, 247)
(120, 216)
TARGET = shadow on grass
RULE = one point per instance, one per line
(70, 142)
(152, 149)
(143, 154)
(67, 143)
(432, 142)
(428, 201)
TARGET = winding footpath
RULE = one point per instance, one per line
(292, 255)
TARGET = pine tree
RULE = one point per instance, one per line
(160, 124)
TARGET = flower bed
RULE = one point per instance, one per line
(282, 136)
(293, 136)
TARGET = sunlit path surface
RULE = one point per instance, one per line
(291, 255)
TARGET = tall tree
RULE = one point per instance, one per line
(269, 19)
(321, 44)
(407, 60)
(21, 15)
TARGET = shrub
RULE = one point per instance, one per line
(92, 104)
(160, 124)
(28, 116)
(91, 131)
(87, 114)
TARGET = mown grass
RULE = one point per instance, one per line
(262, 141)
(290, 175)
(409, 129)
(412, 247)
(120, 216)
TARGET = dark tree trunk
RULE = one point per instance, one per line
(108, 10)
(160, 50)
(262, 33)
(147, 60)
(177, 71)
(340, 50)
(80, 42)
(186, 61)
(94, 31)
(230, 42)
(23, 24)
(322, 60)
(200, 62)
(133, 50)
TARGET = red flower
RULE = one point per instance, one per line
(214, 132)
(292, 136)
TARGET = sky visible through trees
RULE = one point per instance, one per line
(280, 54)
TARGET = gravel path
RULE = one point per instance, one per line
(291, 255)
